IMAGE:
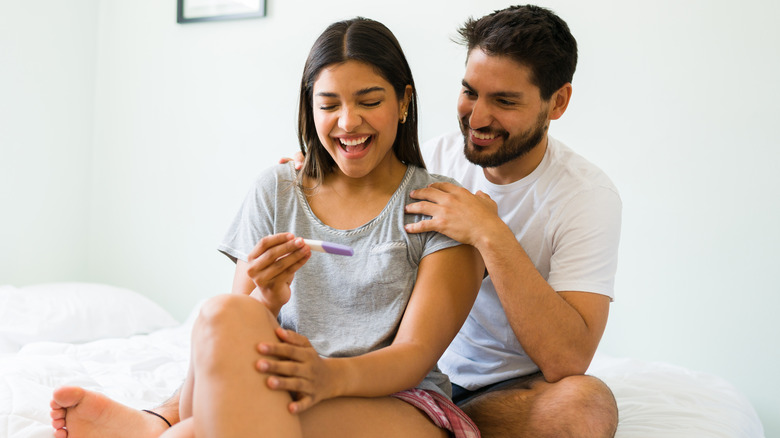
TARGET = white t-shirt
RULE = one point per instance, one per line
(566, 215)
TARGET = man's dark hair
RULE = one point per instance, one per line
(532, 36)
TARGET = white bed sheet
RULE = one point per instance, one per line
(654, 399)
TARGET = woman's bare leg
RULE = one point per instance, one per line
(185, 395)
(87, 414)
(230, 397)
(182, 429)
(382, 417)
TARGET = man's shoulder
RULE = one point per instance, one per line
(446, 140)
(443, 154)
(569, 164)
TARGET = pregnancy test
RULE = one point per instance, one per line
(328, 247)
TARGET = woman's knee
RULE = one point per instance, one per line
(223, 317)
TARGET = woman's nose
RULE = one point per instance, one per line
(349, 119)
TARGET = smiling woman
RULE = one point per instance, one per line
(356, 113)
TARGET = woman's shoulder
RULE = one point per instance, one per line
(271, 176)
(421, 178)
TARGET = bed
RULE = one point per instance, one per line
(117, 342)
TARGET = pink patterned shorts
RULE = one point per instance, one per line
(443, 412)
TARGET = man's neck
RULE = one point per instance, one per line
(518, 168)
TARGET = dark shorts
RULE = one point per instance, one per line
(461, 395)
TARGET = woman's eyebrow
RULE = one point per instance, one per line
(368, 90)
(360, 92)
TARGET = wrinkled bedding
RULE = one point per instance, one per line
(128, 348)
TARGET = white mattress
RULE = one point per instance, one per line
(118, 343)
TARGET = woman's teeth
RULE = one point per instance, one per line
(353, 141)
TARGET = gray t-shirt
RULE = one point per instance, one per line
(346, 306)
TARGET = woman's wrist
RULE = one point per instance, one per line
(267, 298)
(337, 370)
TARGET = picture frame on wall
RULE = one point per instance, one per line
(189, 11)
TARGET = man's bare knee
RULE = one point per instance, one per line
(577, 406)
(584, 406)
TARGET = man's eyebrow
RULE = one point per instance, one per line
(509, 94)
(360, 92)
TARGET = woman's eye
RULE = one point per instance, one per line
(372, 104)
(327, 107)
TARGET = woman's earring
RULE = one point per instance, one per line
(404, 119)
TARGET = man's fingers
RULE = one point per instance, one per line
(445, 187)
(420, 227)
(420, 207)
(429, 193)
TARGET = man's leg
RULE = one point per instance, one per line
(577, 406)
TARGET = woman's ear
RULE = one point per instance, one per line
(405, 101)
(560, 101)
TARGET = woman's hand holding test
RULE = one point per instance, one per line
(272, 265)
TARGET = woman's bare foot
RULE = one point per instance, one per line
(78, 413)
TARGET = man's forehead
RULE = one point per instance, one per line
(485, 70)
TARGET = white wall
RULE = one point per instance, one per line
(47, 83)
(676, 100)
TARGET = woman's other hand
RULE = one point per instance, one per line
(296, 367)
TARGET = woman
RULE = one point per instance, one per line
(360, 336)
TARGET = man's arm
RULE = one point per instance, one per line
(559, 331)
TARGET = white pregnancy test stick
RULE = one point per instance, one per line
(328, 247)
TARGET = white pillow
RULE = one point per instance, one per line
(75, 312)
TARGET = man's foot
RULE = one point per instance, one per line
(78, 413)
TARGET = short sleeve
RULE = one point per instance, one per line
(585, 243)
(254, 219)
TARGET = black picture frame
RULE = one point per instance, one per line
(193, 11)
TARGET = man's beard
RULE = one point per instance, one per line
(514, 147)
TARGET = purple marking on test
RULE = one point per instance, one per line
(329, 247)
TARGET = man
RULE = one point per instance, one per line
(547, 224)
